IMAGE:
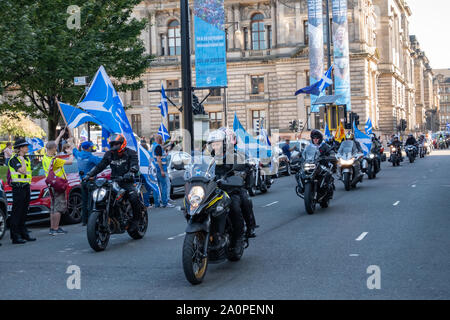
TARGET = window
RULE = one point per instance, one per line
(162, 44)
(305, 32)
(136, 124)
(215, 120)
(257, 115)
(258, 32)
(308, 80)
(245, 39)
(215, 92)
(136, 95)
(174, 38)
(257, 84)
(172, 84)
(269, 37)
(174, 121)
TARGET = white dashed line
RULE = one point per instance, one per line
(413, 186)
(354, 255)
(396, 204)
(270, 204)
(177, 236)
(362, 236)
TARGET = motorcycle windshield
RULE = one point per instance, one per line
(200, 166)
(311, 153)
(347, 149)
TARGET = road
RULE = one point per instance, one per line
(399, 223)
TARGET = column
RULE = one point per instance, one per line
(237, 18)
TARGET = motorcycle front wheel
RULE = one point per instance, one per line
(347, 181)
(411, 159)
(194, 264)
(370, 172)
(310, 202)
(97, 232)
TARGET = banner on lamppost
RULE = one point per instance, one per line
(315, 35)
(210, 49)
(341, 54)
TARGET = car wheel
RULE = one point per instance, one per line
(74, 209)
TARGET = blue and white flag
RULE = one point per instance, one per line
(265, 135)
(368, 127)
(327, 132)
(35, 144)
(148, 170)
(247, 144)
(447, 127)
(163, 104)
(75, 117)
(319, 86)
(104, 104)
(364, 140)
(163, 132)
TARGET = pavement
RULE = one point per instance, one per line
(387, 239)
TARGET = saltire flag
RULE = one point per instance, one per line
(327, 132)
(247, 144)
(163, 104)
(35, 144)
(340, 133)
(163, 132)
(148, 170)
(265, 135)
(364, 140)
(103, 103)
(75, 117)
(368, 127)
(319, 86)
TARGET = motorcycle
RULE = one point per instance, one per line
(410, 153)
(422, 150)
(396, 155)
(350, 164)
(312, 184)
(256, 178)
(112, 213)
(373, 165)
(206, 208)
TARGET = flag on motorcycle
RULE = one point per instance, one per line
(103, 102)
(368, 127)
(327, 132)
(75, 117)
(247, 144)
(340, 133)
(364, 140)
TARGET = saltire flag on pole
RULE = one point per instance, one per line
(163, 104)
(75, 117)
(103, 102)
(340, 133)
(319, 86)
(364, 140)
(148, 170)
(36, 144)
(163, 132)
(247, 144)
(368, 127)
(327, 132)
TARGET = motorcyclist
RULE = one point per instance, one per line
(376, 146)
(325, 153)
(411, 140)
(124, 164)
(221, 145)
(351, 136)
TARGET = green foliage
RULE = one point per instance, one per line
(40, 55)
(17, 125)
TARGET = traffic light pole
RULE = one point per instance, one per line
(186, 76)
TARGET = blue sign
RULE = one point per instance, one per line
(210, 49)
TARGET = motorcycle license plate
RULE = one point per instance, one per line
(9, 207)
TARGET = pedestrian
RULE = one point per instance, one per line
(21, 175)
(86, 162)
(59, 201)
(8, 152)
(160, 162)
(144, 143)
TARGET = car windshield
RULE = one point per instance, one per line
(200, 166)
(38, 170)
(311, 153)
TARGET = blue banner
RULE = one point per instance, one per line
(75, 117)
(315, 34)
(210, 50)
(341, 54)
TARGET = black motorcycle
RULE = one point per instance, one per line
(373, 164)
(396, 155)
(206, 207)
(315, 183)
(350, 164)
(411, 152)
(256, 177)
(112, 213)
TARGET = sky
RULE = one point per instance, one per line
(430, 22)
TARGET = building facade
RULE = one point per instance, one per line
(442, 79)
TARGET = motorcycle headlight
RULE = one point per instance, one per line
(309, 166)
(99, 194)
(196, 196)
(394, 149)
(346, 162)
(372, 156)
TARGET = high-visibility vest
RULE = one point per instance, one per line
(17, 177)
(46, 163)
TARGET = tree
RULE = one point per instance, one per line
(17, 125)
(40, 54)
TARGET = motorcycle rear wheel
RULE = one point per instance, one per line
(98, 239)
(310, 203)
(140, 231)
(194, 265)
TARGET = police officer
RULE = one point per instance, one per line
(20, 169)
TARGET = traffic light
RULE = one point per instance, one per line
(257, 127)
(293, 126)
(356, 118)
(403, 124)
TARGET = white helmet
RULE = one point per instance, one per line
(224, 135)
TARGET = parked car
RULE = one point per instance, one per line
(3, 211)
(40, 201)
(177, 160)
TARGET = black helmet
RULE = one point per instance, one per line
(316, 134)
(20, 142)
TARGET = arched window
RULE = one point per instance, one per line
(174, 37)
(258, 32)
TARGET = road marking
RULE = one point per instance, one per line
(354, 255)
(177, 236)
(362, 236)
(396, 204)
(270, 204)
(413, 186)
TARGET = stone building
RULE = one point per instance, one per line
(442, 79)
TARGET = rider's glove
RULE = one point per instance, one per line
(128, 176)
